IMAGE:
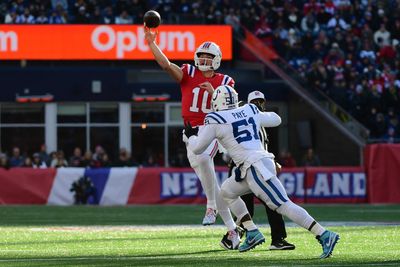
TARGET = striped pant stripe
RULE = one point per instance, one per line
(263, 187)
(277, 192)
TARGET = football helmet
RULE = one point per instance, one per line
(208, 48)
(224, 97)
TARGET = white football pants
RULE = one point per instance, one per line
(203, 166)
(262, 181)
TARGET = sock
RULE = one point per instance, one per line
(249, 225)
(300, 216)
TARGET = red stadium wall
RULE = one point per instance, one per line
(25, 186)
(382, 166)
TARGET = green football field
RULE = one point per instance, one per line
(172, 236)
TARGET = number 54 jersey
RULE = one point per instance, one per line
(196, 102)
(238, 132)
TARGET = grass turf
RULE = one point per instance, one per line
(127, 236)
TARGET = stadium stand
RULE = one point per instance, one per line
(348, 50)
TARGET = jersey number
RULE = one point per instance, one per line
(194, 107)
(242, 135)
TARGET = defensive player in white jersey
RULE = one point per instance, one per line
(237, 130)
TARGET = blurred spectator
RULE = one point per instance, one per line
(42, 18)
(44, 157)
(124, 18)
(180, 159)
(10, 17)
(52, 156)
(57, 17)
(337, 21)
(108, 16)
(83, 17)
(383, 35)
(27, 163)
(105, 161)
(37, 163)
(59, 161)
(310, 24)
(88, 161)
(124, 159)
(98, 155)
(16, 160)
(233, 19)
(25, 18)
(391, 135)
(76, 159)
(310, 159)
(4, 162)
(286, 159)
(62, 3)
(150, 162)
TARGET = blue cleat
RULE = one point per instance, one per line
(253, 239)
(328, 241)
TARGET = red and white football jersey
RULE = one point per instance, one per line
(196, 102)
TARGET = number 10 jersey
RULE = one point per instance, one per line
(196, 102)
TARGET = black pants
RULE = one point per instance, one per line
(275, 219)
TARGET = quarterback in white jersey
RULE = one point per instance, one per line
(237, 130)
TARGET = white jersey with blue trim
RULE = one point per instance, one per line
(238, 132)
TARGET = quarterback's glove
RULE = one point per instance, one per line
(189, 131)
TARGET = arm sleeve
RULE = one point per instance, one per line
(184, 69)
(269, 119)
(198, 144)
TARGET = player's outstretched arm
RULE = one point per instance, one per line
(198, 144)
(269, 119)
(173, 70)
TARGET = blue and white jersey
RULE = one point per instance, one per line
(238, 132)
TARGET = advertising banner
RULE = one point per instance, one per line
(121, 186)
(107, 42)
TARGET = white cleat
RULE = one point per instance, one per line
(231, 240)
(210, 217)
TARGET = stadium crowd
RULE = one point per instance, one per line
(348, 50)
(100, 158)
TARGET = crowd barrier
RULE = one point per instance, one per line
(121, 186)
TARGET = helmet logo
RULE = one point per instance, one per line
(206, 45)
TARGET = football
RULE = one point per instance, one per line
(152, 19)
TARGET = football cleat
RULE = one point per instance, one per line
(253, 239)
(230, 240)
(281, 245)
(328, 241)
(210, 217)
(240, 231)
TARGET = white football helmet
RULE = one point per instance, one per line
(224, 97)
(208, 48)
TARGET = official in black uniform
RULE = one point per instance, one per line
(278, 231)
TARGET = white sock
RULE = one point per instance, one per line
(300, 216)
(249, 225)
(224, 212)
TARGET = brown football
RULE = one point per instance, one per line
(152, 19)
